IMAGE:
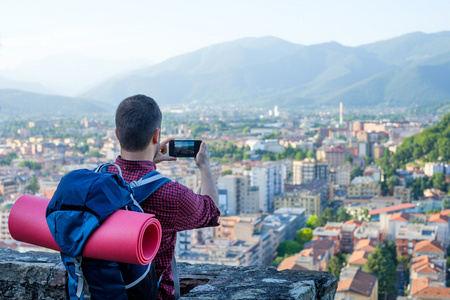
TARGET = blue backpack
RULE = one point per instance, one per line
(83, 200)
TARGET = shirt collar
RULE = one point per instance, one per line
(135, 163)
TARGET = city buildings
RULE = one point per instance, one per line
(335, 157)
(309, 170)
(363, 188)
(269, 178)
(241, 198)
(408, 236)
(313, 197)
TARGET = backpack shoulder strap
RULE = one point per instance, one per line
(148, 184)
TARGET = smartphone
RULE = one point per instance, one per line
(184, 148)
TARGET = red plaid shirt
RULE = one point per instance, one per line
(177, 208)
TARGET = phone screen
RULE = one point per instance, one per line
(184, 148)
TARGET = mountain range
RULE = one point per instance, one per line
(410, 70)
(20, 104)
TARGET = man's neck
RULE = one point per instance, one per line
(146, 155)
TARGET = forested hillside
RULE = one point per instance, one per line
(432, 144)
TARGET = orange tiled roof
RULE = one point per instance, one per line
(362, 283)
(445, 212)
(344, 285)
(429, 246)
(306, 252)
(366, 245)
(438, 218)
(420, 287)
(358, 258)
(400, 216)
(423, 264)
(287, 263)
(291, 264)
(392, 208)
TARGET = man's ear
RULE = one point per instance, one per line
(155, 137)
(117, 136)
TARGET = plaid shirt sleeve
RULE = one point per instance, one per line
(185, 209)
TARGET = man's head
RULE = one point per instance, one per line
(137, 119)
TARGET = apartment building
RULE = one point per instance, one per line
(241, 198)
(308, 170)
(335, 157)
(313, 197)
(363, 188)
(408, 236)
(269, 178)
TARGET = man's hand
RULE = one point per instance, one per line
(202, 158)
(161, 154)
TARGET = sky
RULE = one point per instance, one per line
(153, 31)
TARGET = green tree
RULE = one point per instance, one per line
(342, 215)
(289, 248)
(392, 181)
(355, 172)
(329, 215)
(277, 261)
(311, 222)
(336, 263)
(348, 159)
(227, 172)
(446, 203)
(7, 160)
(33, 186)
(246, 130)
(304, 235)
(444, 148)
(310, 154)
(433, 211)
(438, 180)
(382, 263)
(32, 165)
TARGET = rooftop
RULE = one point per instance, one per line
(423, 264)
(392, 208)
(400, 216)
(438, 218)
(429, 246)
(358, 258)
(367, 245)
(363, 180)
(417, 231)
(357, 281)
(422, 287)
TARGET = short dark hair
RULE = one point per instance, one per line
(137, 118)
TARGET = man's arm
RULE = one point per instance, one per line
(208, 186)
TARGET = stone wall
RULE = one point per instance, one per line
(39, 275)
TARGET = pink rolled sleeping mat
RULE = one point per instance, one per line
(125, 236)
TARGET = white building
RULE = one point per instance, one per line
(309, 170)
(241, 198)
(432, 168)
(269, 178)
(443, 227)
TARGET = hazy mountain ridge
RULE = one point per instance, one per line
(413, 68)
(408, 70)
(22, 104)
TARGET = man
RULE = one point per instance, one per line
(138, 129)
